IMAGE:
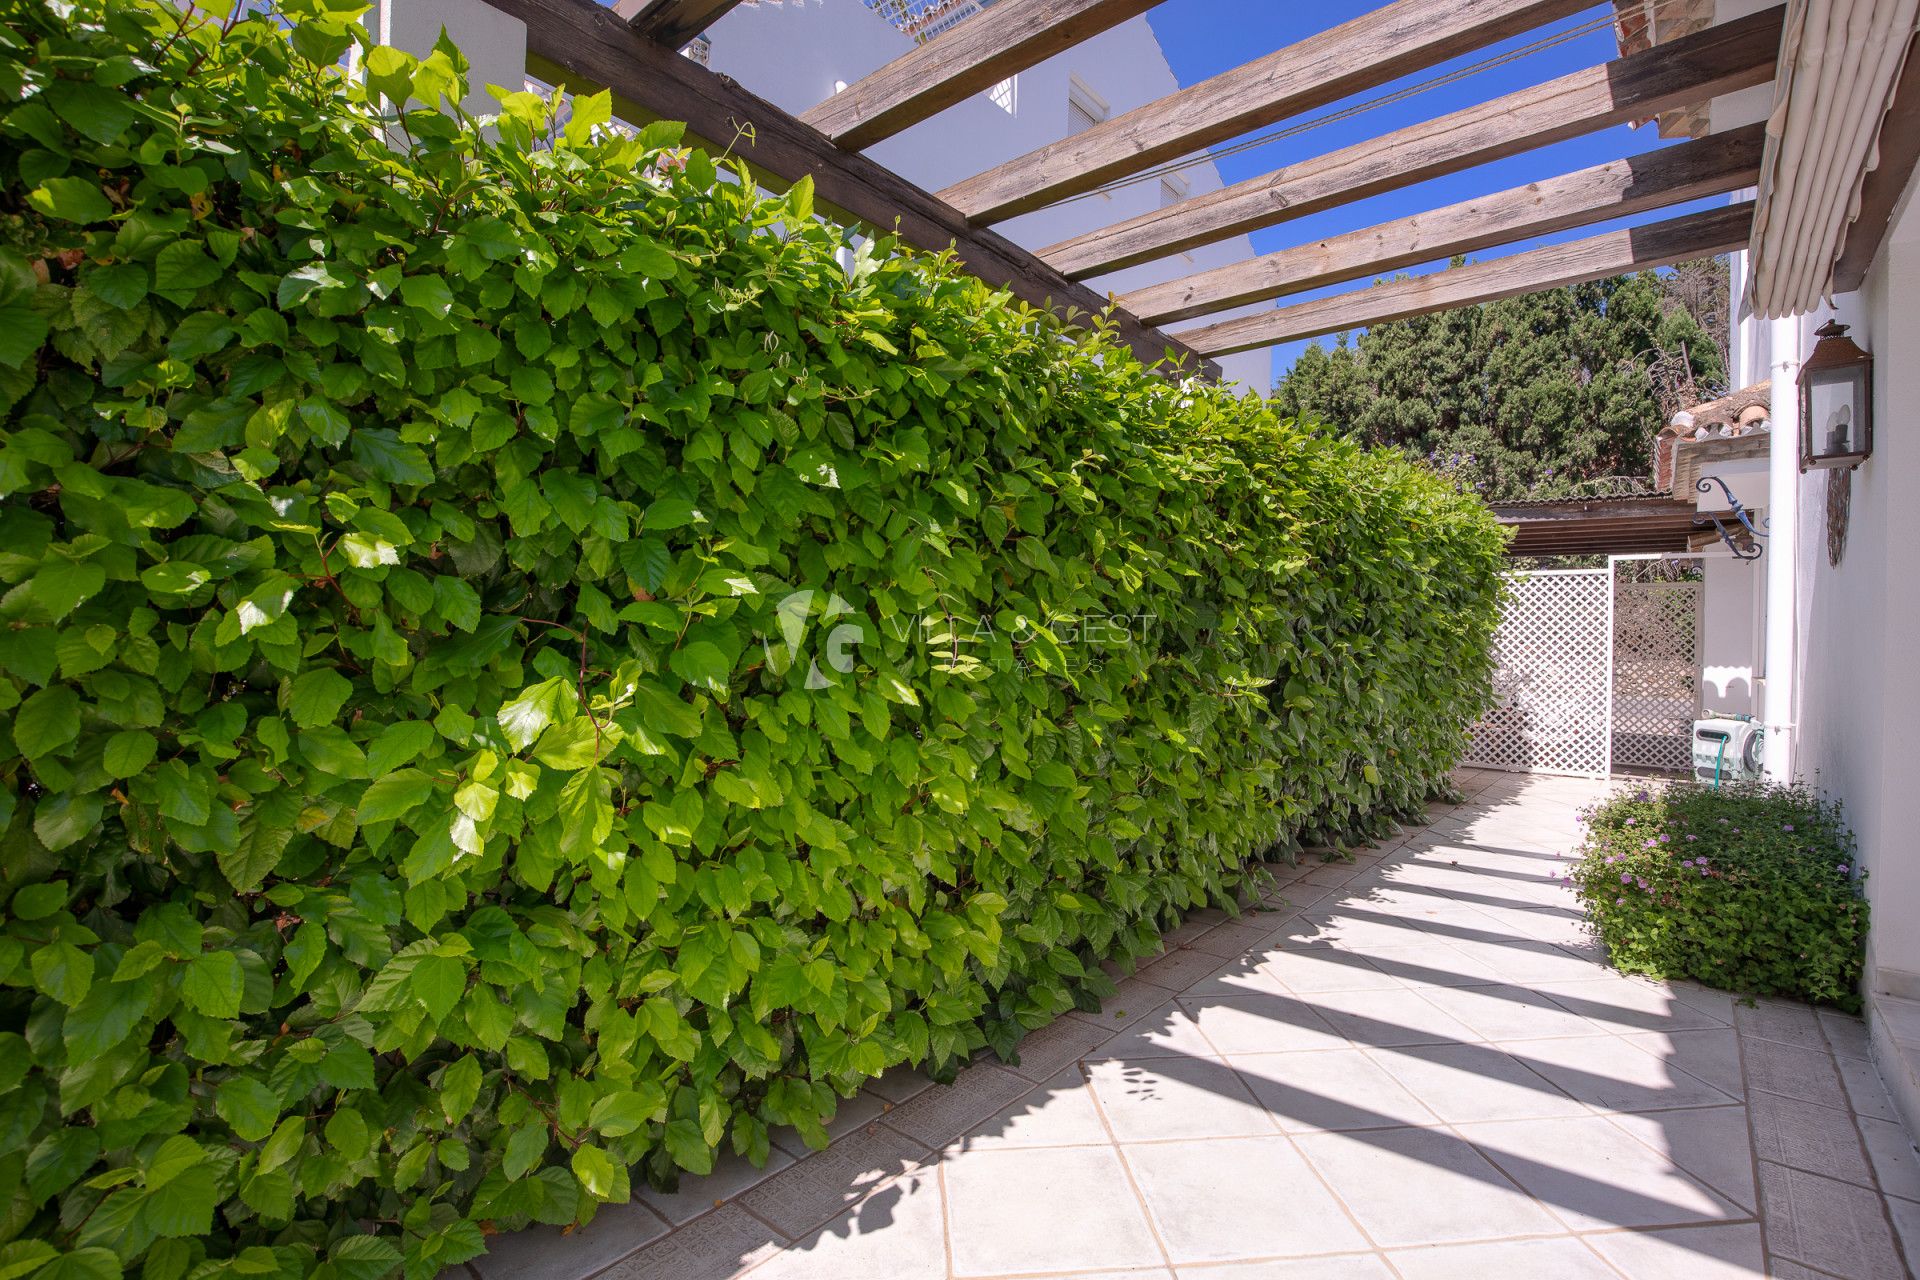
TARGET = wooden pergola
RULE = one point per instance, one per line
(633, 51)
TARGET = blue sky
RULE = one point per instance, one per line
(1205, 37)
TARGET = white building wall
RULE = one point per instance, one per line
(794, 54)
(1858, 622)
(1732, 596)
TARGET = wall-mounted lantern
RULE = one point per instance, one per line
(1836, 401)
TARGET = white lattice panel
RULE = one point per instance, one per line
(1656, 663)
(1552, 658)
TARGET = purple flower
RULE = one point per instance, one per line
(1619, 901)
(1641, 883)
(1686, 862)
(1693, 837)
(1647, 843)
(1844, 869)
(1786, 826)
(1722, 821)
(1629, 822)
(1703, 871)
(1626, 877)
(1666, 839)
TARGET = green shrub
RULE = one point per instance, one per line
(520, 664)
(1749, 888)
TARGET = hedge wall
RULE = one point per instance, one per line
(524, 660)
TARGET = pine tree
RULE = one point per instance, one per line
(1531, 396)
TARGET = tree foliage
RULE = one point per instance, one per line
(526, 664)
(1531, 395)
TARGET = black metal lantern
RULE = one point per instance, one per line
(1836, 401)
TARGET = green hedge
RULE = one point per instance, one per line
(1750, 888)
(525, 660)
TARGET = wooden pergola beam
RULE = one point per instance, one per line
(672, 22)
(1733, 55)
(586, 47)
(1360, 54)
(977, 54)
(1672, 175)
(1899, 148)
(1656, 244)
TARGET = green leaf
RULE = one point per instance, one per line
(316, 697)
(70, 199)
(572, 744)
(184, 267)
(247, 1105)
(364, 1257)
(459, 1088)
(90, 1263)
(399, 743)
(129, 752)
(394, 795)
(46, 722)
(63, 971)
(702, 665)
(595, 1170)
(438, 982)
(38, 901)
(105, 1018)
(213, 984)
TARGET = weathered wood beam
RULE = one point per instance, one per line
(1357, 55)
(978, 53)
(586, 47)
(1899, 147)
(1657, 244)
(1619, 188)
(672, 22)
(1694, 68)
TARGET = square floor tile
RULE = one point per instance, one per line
(1609, 1073)
(715, 1247)
(1176, 1098)
(1783, 1021)
(1058, 1114)
(898, 1234)
(1696, 1253)
(1627, 1004)
(1711, 1054)
(1711, 1143)
(1263, 1023)
(1866, 1092)
(1832, 1226)
(1509, 1013)
(944, 1112)
(731, 1175)
(1807, 1074)
(1396, 1017)
(1058, 1045)
(1896, 1165)
(1467, 1082)
(1055, 1209)
(1230, 1199)
(1422, 1186)
(1348, 1266)
(1557, 1259)
(1308, 970)
(1431, 964)
(804, 1195)
(1817, 1139)
(1593, 1176)
(1334, 1089)
(1166, 1032)
(546, 1253)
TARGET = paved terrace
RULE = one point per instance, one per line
(1413, 1065)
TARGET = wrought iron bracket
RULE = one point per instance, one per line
(1753, 549)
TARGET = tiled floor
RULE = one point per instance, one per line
(1414, 1065)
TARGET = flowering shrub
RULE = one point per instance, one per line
(1749, 888)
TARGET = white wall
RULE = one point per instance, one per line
(1859, 622)
(794, 53)
(1733, 596)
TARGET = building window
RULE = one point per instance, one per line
(1006, 95)
(1085, 108)
(1173, 189)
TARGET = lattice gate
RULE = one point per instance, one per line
(1596, 670)
(1656, 661)
(1552, 676)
